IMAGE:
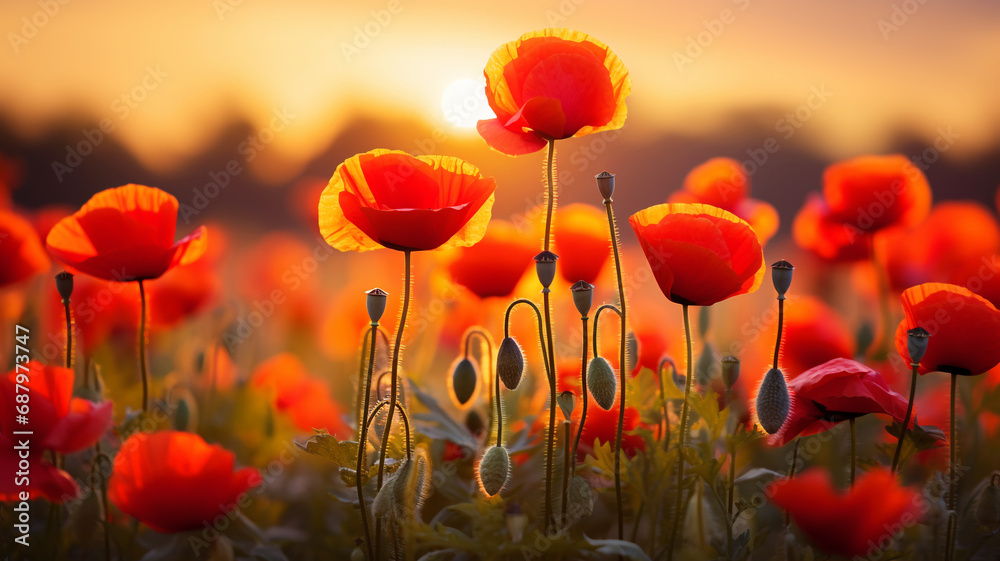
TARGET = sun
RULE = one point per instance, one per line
(464, 103)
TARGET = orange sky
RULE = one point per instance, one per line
(193, 66)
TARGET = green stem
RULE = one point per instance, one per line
(622, 366)
(565, 482)
(854, 449)
(551, 200)
(906, 419)
(781, 320)
(499, 405)
(142, 349)
(365, 388)
(683, 437)
(550, 460)
(69, 335)
(408, 442)
(392, 395)
(583, 390)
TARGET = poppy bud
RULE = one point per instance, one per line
(631, 350)
(772, 401)
(916, 343)
(988, 504)
(463, 380)
(388, 500)
(579, 497)
(730, 370)
(474, 422)
(510, 363)
(545, 267)
(64, 284)
(376, 303)
(583, 297)
(601, 382)
(494, 469)
(781, 276)
(566, 402)
(606, 184)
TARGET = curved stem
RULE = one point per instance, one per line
(482, 334)
(597, 321)
(69, 335)
(541, 332)
(406, 423)
(584, 391)
(683, 438)
(906, 419)
(551, 199)
(622, 366)
(550, 460)
(142, 349)
(395, 372)
(365, 388)
(854, 449)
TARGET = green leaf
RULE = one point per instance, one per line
(342, 454)
(618, 547)
(707, 407)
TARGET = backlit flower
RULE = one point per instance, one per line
(21, 252)
(861, 522)
(125, 233)
(834, 392)
(305, 399)
(582, 241)
(552, 84)
(722, 182)
(495, 265)
(699, 254)
(386, 198)
(175, 481)
(964, 328)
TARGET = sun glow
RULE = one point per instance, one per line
(464, 103)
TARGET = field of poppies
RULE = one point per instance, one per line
(179, 392)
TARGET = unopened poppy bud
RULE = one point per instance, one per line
(781, 276)
(64, 284)
(579, 497)
(606, 184)
(988, 504)
(376, 303)
(494, 469)
(916, 343)
(601, 382)
(463, 380)
(631, 350)
(583, 297)
(510, 363)
(567, 401)
(772, 401)
(730, 370)
(545, 267)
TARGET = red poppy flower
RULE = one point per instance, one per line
(45, 480)
(495, 265)
(722, 182)
(125, 234)
(861, 196)
(813, 333)
(21, 252)
(964, 328)
(58, 421)
(699, 254)
(552, 84)
(861, 522)
(602, 426)
(833, 392)
(387, 198)
(306, 400)
(582, 240)
(175, 481)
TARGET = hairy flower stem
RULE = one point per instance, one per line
(906, 419)
(365, 388)
(550, 459)
(854, 449)
(663, 396)
(369, 338)
(142, 349)
(551, 198)
(952, 479)
(683, 438)
(407, 440)
(583, 390)
(489, 369)
(622, 366)
(565, 483)
(69, 335)
(392, 395)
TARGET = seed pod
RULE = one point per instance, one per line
(566, 401)
(545, 267)
(376, 303)
(772, 401)
(579, 498)
(916, 343)
(64, 284)
(730, 370)
(606, 184)
(781, 276)
(463, 380)
(510, 363)
(583, 297)
(601, 382)
(494, 470)
(988, 505)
